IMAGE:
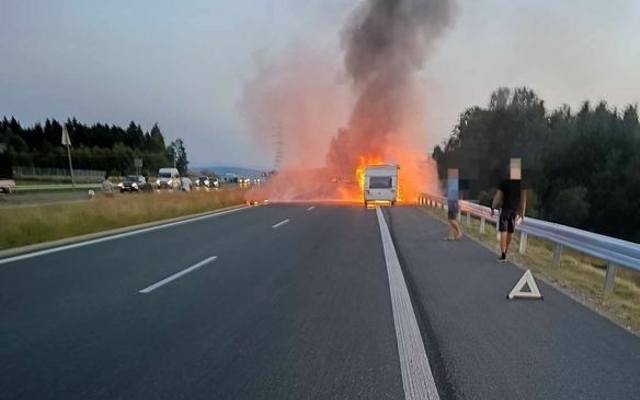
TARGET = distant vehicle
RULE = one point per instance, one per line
(132, 183)
(185, 184)
(168, 178)
(205, 181)
(7, 186)
(380, 184)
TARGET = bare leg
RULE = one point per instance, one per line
(508, 241)
(503, 242)
(458, 230)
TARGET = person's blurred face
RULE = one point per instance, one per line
(515, 172)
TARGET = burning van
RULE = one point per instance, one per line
(380, 184)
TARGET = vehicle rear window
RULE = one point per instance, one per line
(379, 182)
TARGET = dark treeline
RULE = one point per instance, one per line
(98, 147)
(580, 168)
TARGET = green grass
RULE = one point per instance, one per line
(30, 225)
(578, 274)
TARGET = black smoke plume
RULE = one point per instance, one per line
(386, 43)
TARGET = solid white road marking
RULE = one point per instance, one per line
(116, 236)
(279, 224)
(417, 379)
(311, 208)
(176, 275)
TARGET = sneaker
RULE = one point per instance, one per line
(502, 259)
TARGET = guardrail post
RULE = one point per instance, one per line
(523, 242)
(557, 254)
(482, 222)
(468, 218)
(610, 278)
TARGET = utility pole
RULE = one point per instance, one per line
(66, 141)
(278, 144)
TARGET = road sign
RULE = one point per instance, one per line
(66, 140)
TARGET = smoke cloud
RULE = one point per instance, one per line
(295, 102)
(385, 44)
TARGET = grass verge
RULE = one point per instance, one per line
(579, 275)
(29, 225)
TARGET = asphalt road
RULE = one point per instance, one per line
(299, 311)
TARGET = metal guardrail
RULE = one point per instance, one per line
(615, 252)
(81, 175)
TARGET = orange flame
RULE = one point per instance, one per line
(362, 165)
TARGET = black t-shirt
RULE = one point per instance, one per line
(511, 191)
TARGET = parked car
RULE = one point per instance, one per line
(132, 183)
(168, 178)
(205, 181)
(7, 186)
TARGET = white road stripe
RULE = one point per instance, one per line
(279, 224)
(116, 236)
(176, 275)
(311, 208)
(417, 379)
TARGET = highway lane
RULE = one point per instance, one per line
(482, 346)
(298, 309)
(301, 311)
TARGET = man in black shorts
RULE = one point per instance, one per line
(512, 201)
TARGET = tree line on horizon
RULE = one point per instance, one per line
(580, 168)
(96, 147)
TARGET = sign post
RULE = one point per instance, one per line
(137, 162)
(66, 141)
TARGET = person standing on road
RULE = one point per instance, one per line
(107, 186)
(453, 204)
(511, 199)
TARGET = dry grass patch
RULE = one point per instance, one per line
(580, 275)
(28, 225)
